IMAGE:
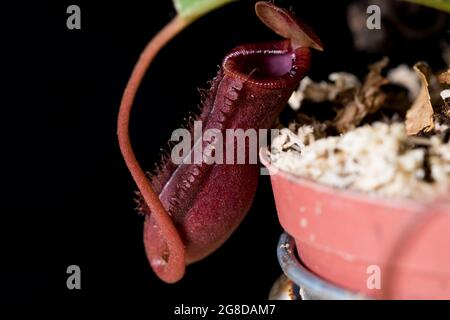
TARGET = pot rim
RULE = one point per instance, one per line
(404, 203)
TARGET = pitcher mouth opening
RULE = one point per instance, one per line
(270, 65)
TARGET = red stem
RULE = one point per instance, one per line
(175, 267)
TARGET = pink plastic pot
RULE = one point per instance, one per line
(379, 247)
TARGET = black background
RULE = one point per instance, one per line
(66, 194)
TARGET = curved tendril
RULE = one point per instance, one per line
(175, 267)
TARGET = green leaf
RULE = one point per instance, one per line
(192, 9)
(443, 5)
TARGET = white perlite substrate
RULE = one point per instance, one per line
(376, 159)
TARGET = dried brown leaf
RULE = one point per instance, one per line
(419, 117)
(444, 77)
(368, 99)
